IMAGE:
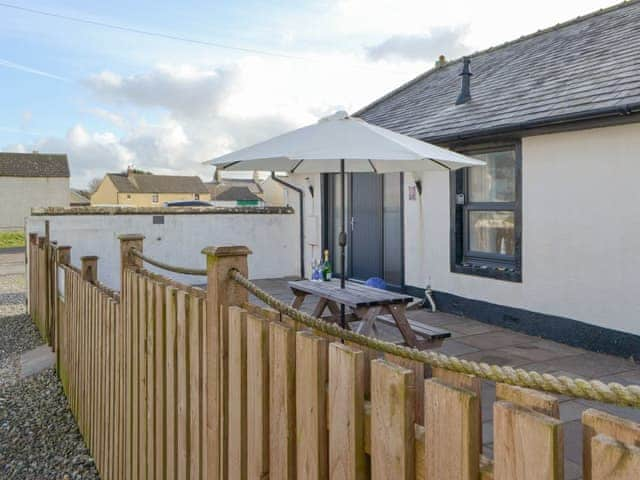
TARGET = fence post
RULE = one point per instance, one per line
(89, 268)
(126, 259)
(222, 292)
(64, 255)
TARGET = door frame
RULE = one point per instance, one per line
(327, 226)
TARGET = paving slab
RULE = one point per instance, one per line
(36, 360)
(493, 340)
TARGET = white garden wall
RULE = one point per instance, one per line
(272, 237)
(580, 231)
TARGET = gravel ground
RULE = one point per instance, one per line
(39, 438)
(18, 334)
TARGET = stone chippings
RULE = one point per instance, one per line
(18, 334)
(39, 438)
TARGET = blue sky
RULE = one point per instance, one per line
(110, 98)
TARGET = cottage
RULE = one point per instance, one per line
(543, 238)
(147, 190)
(237, 197)
(30, 180)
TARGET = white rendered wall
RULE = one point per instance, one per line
(273, 239)
(580, 224)
(19, 194)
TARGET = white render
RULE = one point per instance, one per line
(273, 239)
(580, 231)
(18, 195)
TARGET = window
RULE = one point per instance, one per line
(196, 196)
(128, 197)
(486, 236)
(154, 198)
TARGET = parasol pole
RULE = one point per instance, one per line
(342, 240)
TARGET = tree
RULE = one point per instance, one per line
(94, 184)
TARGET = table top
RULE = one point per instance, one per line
(354, 294)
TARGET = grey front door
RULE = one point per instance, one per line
(366, 226)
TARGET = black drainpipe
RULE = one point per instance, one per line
(301, 193)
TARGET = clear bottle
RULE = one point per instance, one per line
(315, 271)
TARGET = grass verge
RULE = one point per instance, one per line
(11, 239)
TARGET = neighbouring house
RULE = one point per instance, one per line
(79, 198)
(147, 190)
(29, 180)
(237, 197)
(544, 238)
(268, 190)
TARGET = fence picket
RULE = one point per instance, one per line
(194, 327)
(527, 444)
(311, 421)
(615, 460)
(282, 403)
(257, 397)
(346, 413)
(182, 376)
(392, 421)
(170, 380)
(594, 423)
(452, 447)
(237, 392)
(150, 377)
(160, 385)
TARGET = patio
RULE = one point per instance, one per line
(482, 342)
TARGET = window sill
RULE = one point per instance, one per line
(497, 273)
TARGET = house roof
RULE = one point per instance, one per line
(78, 197)
(146, 183)
(575, 70)
(236, 194)
(33, 165)
(226, 183)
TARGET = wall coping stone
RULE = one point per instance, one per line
(56, 211)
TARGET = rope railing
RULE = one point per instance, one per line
(614, 393)
(166, 266)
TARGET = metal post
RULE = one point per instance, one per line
(343, 242)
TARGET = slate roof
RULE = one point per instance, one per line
(575, 70)
(236, 194)
(144, 183)
(33, 165)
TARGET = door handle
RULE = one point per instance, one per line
(353, 223)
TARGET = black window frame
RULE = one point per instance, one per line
(485, 264)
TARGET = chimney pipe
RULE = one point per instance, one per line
(465, 92)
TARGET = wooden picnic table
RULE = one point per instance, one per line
(368, 305)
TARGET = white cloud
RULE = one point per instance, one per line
(170, 118)
(448, 41)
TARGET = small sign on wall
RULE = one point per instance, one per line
(412, 192)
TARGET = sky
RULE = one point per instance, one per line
(196, 79)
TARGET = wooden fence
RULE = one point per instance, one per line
(168, 381)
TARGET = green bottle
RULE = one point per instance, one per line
(326, 267)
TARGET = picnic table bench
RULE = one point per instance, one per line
(367, 305)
